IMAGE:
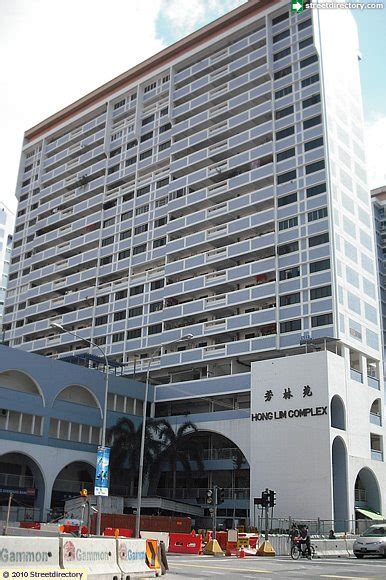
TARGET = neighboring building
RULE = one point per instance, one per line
(219, 189)
(7, 219)
(378, 197)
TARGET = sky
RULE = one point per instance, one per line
(53, 52)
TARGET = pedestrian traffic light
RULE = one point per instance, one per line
(272, 498)
(220, 495)
(209, 497)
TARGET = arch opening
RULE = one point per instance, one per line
(337, 413)
(367, 494)
(376, 412)
(20, 381)
(339, 480)
(69, 481)
(79, 395)
(21, 474)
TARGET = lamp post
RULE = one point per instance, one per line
(143, 433)
(102, 438)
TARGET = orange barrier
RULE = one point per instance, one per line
(209, 536)
(122, 532)
(30, 525)
(253, 541)
(222, 538)
(231, 549)
(185, 544)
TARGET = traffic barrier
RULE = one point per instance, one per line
(333, 548)
(222, 538)
(98, 556)
(163, 557)
(231, 549)
(160, 536)
(131, 558)
(25, 552)
(30, 525)
(185, 544)
(152, 555)
(114, 532)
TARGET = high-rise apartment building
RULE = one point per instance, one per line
(378, 197)
(6, 231)
(218, 189)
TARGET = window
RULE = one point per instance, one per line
(156, 306)
(318, 240)
(124, 254)
(137, 311)
(146, 136)
(126, 215)
(119, 337)
(150, 87)
(157, 284)
(308, 123)
(121, 315)
(125, 235)
(280, 18)
(141, 210)
(143, 190)
(119, 104)
(317, 214)
(165, 128)
(317, 166)
(284, 133)
(282, 73)
(284, 112)
(287, 199)
(107, 241)
(131, 161)
(145, 154)
(161, 202)
(321, 320)
(165, 79)
(100, 320)
(283, 92)
(164, 146)
(314, 100)
(289, 273)
(304, 24)
(281, 36)
(109, 222)
(106, 260)
(162, 182)
(289, 299)
(285, 154)
(141, 229)
(290, 325)
(288, 248)
(115, 152)
(154, 329)
(321, 292)
(309, 60)
(112, 169)
(159, 242)
(160, 222)
(313, 144)
(120, 295)
(103, 299)
(281, 54)
(128, 196)
(135, 333)
(164, 112)
(310, 80)
(305, 42)
(316, 189)
(285, 177)
(131, 145)
(289, 223)
(147, 120)
(139, 249)
(135, 290)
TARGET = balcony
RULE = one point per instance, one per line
(375, 419)
(376, 455)
(373, 382)
(356, 375)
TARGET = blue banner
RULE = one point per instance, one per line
(102, 471)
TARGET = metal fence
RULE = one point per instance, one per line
(319, 527)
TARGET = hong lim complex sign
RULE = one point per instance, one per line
(288, 393)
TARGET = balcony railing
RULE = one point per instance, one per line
(356, 375)
(373, 382)
(375, 419)
(12, 480)
(199, 493)
(360, 495)
(377, 455)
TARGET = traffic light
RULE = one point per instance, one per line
(83, 492)
(220, 495)
(265, 498)
(209, 497)
(272, 498)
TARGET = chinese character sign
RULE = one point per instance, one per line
(102, 471)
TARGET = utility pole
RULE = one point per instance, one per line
(8, 513)
(266, 515)
(215, 497)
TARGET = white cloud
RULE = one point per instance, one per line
(375, 135)
(53, 52)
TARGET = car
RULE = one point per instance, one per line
(372, 542)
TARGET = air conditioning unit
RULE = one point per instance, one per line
(3, 412)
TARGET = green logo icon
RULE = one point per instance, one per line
(297, 6)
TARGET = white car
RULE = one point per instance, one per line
(372, 542)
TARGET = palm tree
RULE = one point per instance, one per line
(178, 448)
(125, 440)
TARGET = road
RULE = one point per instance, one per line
(281, 567)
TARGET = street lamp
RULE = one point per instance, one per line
(142, 449)
(102, 438)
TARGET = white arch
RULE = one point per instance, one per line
(34, 382)
(81, 389)
(375, 481)
(85, 461)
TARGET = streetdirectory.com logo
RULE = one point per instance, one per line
(297, 6)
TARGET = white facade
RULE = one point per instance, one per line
(7, 219)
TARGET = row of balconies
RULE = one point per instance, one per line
(80, 162)
(77, 134)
